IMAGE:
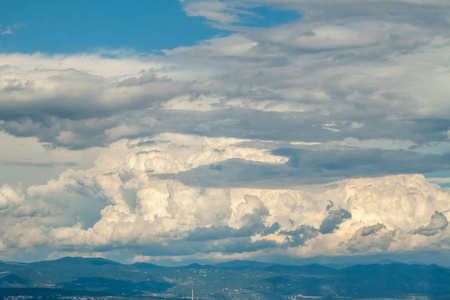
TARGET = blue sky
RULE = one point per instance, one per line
(182, 131)
(84, 26)
(141, 26)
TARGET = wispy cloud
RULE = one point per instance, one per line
(11, 29)
(217, 11)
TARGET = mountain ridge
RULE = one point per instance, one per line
(235, 279)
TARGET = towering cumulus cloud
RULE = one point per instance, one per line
(135, 204)
(324, 135)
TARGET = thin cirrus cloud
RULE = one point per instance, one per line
(234, 145)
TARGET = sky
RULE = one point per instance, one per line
(208, 131)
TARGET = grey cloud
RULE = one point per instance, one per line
(415, 12)
(15, 85)
(371, 238)
(216, 167)
(253, 124)
(82, 97)
(368, 230)
(318, 10)
(230, 245)
(342, 63)
(225, 232)
(142, 144)
(437, 223)
(367, 162)
(234, 173)
(420, 131)
(177, 247)
(311, 167)
(300, 235)
(241, 245)
(330, 205)
(59, 132)
(258, 213)
(211, 233)
(33, 210)
(255, 77)
(145, 78)
(221, 239)
(333, 220)
(245, 124)
(272, 229)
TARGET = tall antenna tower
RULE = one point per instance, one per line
(193, 295)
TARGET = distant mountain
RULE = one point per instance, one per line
(145, 266)
(312, 269)
(197, 266)
(243, 264)
(94, 278)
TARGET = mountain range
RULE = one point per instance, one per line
(94, 278)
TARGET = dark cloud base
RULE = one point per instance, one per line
(312, 167)
(238, 123)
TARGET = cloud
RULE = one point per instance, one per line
(439, 180)
(437, 223)
(320, 10)
(375, 238)
(11, 194)
(334, 218)
(318, 39)
(311, 166)
(11, 29)
(300, 235)
(249, 78)
(235, 146)
(388, 75)
(133, 211)
(365, 231)
(216, 11)
(354, 161)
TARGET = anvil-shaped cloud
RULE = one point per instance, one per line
(131, 207)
